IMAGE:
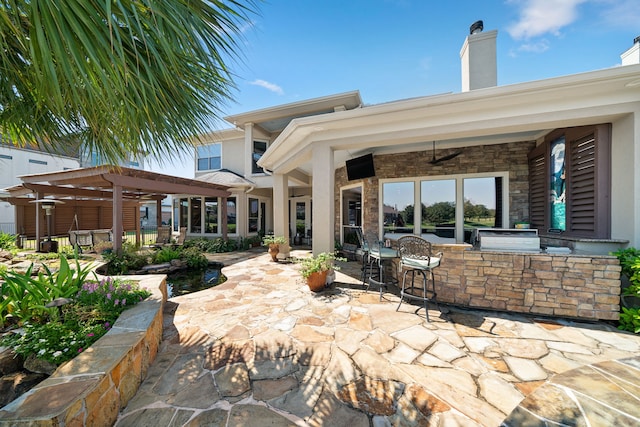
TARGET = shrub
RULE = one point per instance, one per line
(166, 254)
(630, 320)
(194, 258)
(96, 307)
(628, 258)
(217, 245)
(24, 297)
(8, 242)
(125, 260)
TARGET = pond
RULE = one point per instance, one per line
(187, 281)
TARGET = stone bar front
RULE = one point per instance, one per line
(562, 285)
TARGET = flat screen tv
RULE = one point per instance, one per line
(360, 167)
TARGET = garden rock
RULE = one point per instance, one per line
(17, 383)
(10, 362)
(40, 366)
(5, 255)
(157, 268)
(23, 266)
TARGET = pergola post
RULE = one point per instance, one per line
(117, 217)
(38, 227)
(158, 212)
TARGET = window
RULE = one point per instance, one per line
(569, 182)
(184, 213)
(37, 162)
(450, 208)
(211, 215)
(259, 148)
(231, 215)
(398, 207)
(438, 201)
(254, 215)
(196, 214)
(209, 157)
(5, 156)
(481, 207)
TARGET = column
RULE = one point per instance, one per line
(223, 218)
(323, 202)
(281, 210)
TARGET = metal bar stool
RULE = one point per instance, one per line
(416, 257)
(378, 256)
(363, 252)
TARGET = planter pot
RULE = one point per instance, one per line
(630, 301)
(274, 250)
(316, 281)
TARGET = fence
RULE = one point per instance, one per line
(148, 236)
(8, 227)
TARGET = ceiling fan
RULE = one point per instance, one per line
(435, 161)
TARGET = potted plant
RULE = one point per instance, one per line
(274, 243)
(315, 269)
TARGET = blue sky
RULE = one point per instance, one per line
(396, 49)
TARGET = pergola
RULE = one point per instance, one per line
(113, 184)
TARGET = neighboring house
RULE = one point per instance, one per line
(229, 157)
(15, 162)
(561, 154)
(25, 161)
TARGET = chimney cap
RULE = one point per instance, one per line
(476, 27)
(636, 40)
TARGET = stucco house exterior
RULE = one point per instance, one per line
(488, 148)
(561, 154)
(229, 157)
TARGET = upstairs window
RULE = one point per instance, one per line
(570, 183)
(209, 157)
(259, 148)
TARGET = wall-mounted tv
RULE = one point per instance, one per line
(360, 167)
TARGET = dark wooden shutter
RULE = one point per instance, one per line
(588, 182)
(581, 186)
(538, 188)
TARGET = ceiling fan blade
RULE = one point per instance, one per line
(445, 158)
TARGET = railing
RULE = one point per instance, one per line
(148, 236)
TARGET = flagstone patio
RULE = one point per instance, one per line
(261, 349)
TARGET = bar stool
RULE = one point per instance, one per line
(379, 255)
(416, 257)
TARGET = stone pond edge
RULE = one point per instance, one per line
(92, 388)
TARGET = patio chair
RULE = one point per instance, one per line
(181, 236)
(416, 257)
(163, 237)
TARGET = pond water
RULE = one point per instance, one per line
(187, 281)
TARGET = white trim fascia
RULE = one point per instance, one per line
(300, 107)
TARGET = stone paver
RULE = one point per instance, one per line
(261, 349)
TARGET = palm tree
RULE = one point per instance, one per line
(116, 76)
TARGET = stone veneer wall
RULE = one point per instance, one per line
(578, 286)
(92, 388)
(510, 157)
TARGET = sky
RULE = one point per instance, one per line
(390, 50)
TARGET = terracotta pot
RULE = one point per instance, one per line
(316, 281)
(274, 250)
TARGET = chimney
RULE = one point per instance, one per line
(478, 57)
(632, 56)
